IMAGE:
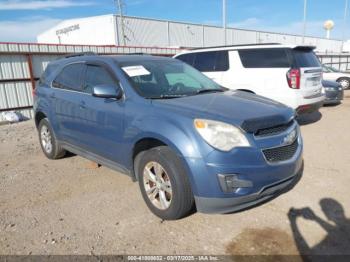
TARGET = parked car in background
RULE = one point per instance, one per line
(333, 91)
(333, 74)
(289, 74)
(184, 138)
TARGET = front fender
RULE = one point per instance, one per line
(179, 135)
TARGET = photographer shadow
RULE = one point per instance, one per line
(337, 241)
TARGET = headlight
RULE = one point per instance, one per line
(328, 89)
(220, 135)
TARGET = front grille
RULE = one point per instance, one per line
(282, 153)
(274, 130)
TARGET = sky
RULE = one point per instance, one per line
(22, 20)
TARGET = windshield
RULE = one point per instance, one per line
(331, 69)
(160, 79)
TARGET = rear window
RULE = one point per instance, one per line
(45, 76)
(265, 58)
(70, 77)
(207, 61)
(305, 58)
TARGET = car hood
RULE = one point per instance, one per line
(332, 84)
(335, 74)
(250, 112)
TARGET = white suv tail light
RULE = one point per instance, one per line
(293, 78)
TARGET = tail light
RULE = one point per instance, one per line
(293, 78)
(33, 91)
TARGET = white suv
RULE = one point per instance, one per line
(289, 74)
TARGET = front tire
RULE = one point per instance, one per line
(48, 141)
(344, 82)
(164, 184)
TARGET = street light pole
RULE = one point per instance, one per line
(224, 19)
(345, 18)
(304, 22)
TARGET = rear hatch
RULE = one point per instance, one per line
(310, 68)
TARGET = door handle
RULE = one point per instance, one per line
(53, 95)
(82, 105)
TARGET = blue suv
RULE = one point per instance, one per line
(189, 142)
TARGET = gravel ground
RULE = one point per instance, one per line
(69, 206)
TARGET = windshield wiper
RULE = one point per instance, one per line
(165, 96)
(209, 90)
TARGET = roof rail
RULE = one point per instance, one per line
(79, 54)
(222, 46)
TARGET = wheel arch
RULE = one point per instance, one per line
(38, 117)
(342, 77)
(145, 143)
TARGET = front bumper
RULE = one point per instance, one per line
(255, 178)
(227, 205)
(334, 97)
(309, 108)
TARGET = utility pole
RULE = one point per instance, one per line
(120, 9)
(304, 22)
(345, 18)
(224, 19)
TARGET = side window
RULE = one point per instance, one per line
(187, 58)
(205, 62)
(211, 61)
(265, 58)
(97, 75)
(221, 62)
(70, 77)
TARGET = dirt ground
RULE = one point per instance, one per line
(69, 207)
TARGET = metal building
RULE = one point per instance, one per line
(107, 30)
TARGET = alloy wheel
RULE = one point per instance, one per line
(46, 139)
(157, 185)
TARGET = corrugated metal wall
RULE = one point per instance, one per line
(152, 32)
(21, 65)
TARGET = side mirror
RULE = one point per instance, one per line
(107, 91)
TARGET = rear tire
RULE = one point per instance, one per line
(48, 141)
(344, 82)
(164, 184)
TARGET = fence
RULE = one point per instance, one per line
(21, 65)
(338, 61)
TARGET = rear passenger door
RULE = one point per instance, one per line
(103, 117)
(66, 97)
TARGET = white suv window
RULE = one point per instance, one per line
(213, 61)
(265, 58)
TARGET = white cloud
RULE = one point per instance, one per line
(25, 30)
(41, 4)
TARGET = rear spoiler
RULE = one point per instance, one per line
(304, 47)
